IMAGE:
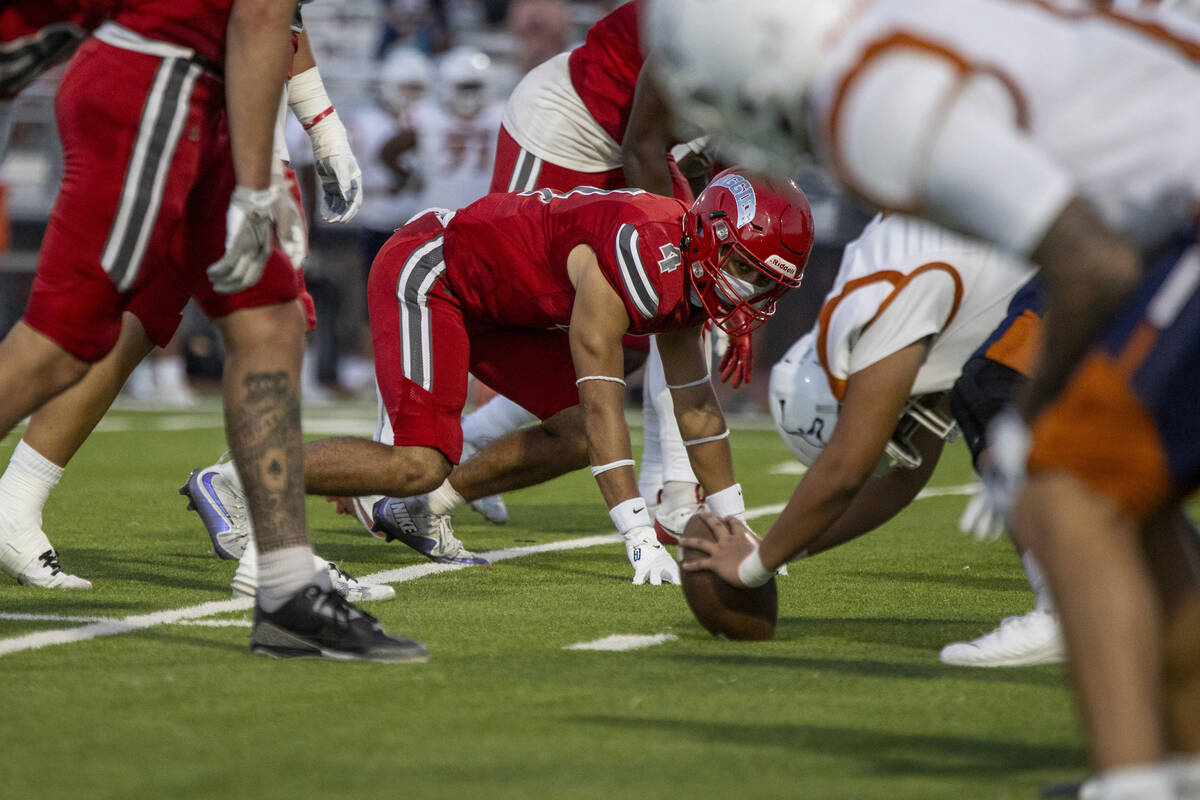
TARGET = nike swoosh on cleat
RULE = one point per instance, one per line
(206, 482)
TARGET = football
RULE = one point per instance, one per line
(724, 610)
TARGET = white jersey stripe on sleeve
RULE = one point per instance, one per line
(633, 274)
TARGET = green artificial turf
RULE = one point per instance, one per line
(848, 701)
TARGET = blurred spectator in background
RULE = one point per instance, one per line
(420, 24)
(456, 143)
(541, 28)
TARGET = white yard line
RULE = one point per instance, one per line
(620, 642)
(137, 622)
(103, 626)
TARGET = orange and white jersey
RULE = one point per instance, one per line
(906, 279)
(992, 114)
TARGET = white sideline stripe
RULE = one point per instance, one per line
(107, 627)
(620, 642)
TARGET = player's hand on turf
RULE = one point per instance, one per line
(247, 240)
(341, 186)
(651, 561)
(738, 361)
(289, 226)
(981, 519)
(1003, 468)
(724, 554)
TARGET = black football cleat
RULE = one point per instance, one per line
(320, 623)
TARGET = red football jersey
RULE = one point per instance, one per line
(506, 257)
(198, 24)
(604, 69)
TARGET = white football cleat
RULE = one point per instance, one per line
(1027, 640)
(216, 494)
(38, 569)
(492, 508)
(245, 580)
(408, 520)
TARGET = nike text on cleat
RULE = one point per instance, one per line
(1027, 640)
(317, 623)
(41, 570)
(215, 493)
(409, 521)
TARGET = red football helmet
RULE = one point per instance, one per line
(746, 240)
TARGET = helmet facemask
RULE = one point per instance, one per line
(736, 290)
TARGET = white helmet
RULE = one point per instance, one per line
(742, 71)
(463, 80)
(404, 78)
(806, 411)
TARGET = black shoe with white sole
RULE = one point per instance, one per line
(320, 623)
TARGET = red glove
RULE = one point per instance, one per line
(738, 361)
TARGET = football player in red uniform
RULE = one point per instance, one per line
(137, 203)
(591, 117)
(533, 292)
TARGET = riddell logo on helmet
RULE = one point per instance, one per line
(743, 195)
(784, 267)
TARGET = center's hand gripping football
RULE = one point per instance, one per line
(248, 240)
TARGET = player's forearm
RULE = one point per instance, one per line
(1088, 272)
(256, 63)
(881, 499)
(812, 509)
(705, 435)
(610, 452)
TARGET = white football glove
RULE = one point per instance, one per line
(247, 240)
(1003, 470)
(650, 560)
(289, 225)
(981, 520)
(337, 169)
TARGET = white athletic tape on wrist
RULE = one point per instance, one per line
(706, 439)
(752, 572)
(728, 502)
(690, 384)
(630, 514)
(307, 98)
(608, 378)
(600, 469)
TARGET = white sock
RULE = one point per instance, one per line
(444, 498)
(1185, 768)
(170, 371)
(1037, 582)
(492, 420)
(282, 573)
(1139, 782)
(26, 485)
(676, 494)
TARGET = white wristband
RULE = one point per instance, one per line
(751, 571)
(690, 384)
(608, 378)
(706, 439)
(600, 469)
(630, 514)
(728, 502)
